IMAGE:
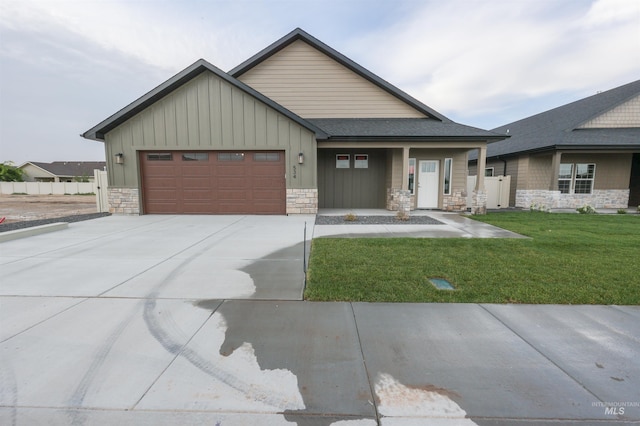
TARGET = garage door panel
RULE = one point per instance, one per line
(218, 182)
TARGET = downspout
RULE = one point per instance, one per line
(504, 170)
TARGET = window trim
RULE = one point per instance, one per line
(412, 184)
(574, 179)
(230, 156)
(197, 156)
(447, 175)
(362, 163)
(492, 170)
(159, 156)
(340, 162)
(591, 179)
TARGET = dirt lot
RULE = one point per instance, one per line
(16, 208)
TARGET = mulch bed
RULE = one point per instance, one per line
(376, 220)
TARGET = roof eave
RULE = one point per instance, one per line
(341, 138)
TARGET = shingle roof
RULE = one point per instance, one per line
(71, 168)
(299, 34)
(559, 127)
(97, 132)
(400, 127)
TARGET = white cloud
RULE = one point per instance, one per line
(468, 57)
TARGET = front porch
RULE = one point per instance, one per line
(402, 177)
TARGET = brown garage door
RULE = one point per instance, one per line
(241, 182)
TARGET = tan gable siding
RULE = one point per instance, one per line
(208, 113)
(625, 115)
(312, 85)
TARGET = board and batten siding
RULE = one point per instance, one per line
(311, 84)
(207, 113)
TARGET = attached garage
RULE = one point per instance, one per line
(213, 182)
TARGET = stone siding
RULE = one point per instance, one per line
(599, 199)
(399, 200)
(456, 202)
(479, 202)
(124, 201)
(302, 201)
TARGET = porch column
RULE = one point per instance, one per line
(555, 170)
(405, 168)
(482, 164)
(479, 198)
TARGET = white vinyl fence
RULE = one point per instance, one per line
(47, 188)
(98, 187)
(497, 188)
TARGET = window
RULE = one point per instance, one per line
(584, 178)
(448, 162)
(488, 172)
(412, 175)
(161, 156)
(342, 161)
(576, 178)
(266, 156)
(230, 156)
(564, 178)
(195, 156)
(361, 161)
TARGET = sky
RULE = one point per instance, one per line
(66, 65)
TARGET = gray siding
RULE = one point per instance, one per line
(352, 188)
(208, 113)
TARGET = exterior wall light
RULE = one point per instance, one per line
(301, 158)
(119, 158)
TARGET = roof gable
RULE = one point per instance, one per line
(312, 81)
(97, 132)
(624, 115)
(564, 126)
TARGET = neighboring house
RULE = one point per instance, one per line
(585, 152)
(295, 128)
(61, 171)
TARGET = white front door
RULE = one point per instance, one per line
(428, 184)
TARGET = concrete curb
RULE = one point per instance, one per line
(34, 230)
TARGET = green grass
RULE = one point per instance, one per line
(570, 259)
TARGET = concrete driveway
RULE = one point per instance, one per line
(166, 320)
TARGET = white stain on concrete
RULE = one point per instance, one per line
(359, 422)
(203, 379)
(411, 406)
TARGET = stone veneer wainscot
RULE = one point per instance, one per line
(302, 201)
(124, 201)
(599, 199)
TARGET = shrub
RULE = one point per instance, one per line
(538, 208)
(350, 217)
(586, 209)
(622, 211)
(402, 215)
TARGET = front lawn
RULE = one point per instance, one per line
(570, 259)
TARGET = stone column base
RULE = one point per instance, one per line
(479, 202)
(124, 201)
(302, 201)
(399, 200)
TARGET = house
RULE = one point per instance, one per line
(585, 152)
(61, 171)
(296, 127)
